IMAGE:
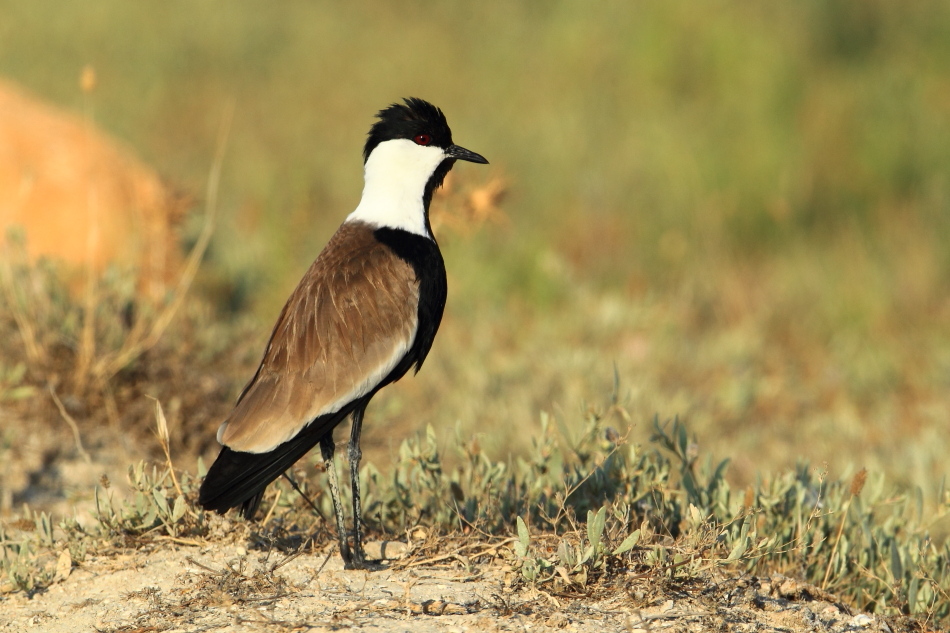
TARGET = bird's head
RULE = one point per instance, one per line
(407, 156)
(415, 127)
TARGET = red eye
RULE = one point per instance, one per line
(422, 139)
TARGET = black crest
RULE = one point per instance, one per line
(408, 120)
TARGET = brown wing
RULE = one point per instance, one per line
(348, 323)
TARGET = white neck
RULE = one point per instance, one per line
(395, 177)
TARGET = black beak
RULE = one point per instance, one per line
(460, 153)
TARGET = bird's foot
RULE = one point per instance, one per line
(355, 558)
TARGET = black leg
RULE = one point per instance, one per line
(326, 449)
(355, 455)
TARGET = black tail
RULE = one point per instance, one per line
(239, 479)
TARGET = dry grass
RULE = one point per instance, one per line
(743, 218)
(738, 212)
(660, 516)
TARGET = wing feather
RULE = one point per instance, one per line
(349, 322)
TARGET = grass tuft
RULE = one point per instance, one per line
(574, 517)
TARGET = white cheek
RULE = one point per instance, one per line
(396, 174)
(403, 159)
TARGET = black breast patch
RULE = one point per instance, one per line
(422, 253)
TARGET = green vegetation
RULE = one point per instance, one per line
(741, 210)
(662, 510)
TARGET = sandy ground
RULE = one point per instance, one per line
(170, 587)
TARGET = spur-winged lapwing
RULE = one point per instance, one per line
(365, 312)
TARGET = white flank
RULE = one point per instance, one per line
(395, 179)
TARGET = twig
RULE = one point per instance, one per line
(305, 497)
(671, 615)
(87, 337)
(455, 553)
(72, 424)
(108, 398)
(272, 507)
(181, 541)
(289, 557)
(857, 484)
(323, 564)
(24, 324)
(580, 483)
(163, 438)
(202, 566)
(138, 343)
(664, 569)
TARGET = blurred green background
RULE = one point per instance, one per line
(741, 208)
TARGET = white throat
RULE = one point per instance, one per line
(395, 178)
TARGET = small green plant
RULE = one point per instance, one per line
(154, 504)
(664, 509)
(531, 566)
(159, 498)
(12, 385)
(657, 510)
(575, 560)
(32, 556)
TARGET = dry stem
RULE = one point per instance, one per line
(139, 342)
(72, 425)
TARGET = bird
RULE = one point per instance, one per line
(364, 314)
